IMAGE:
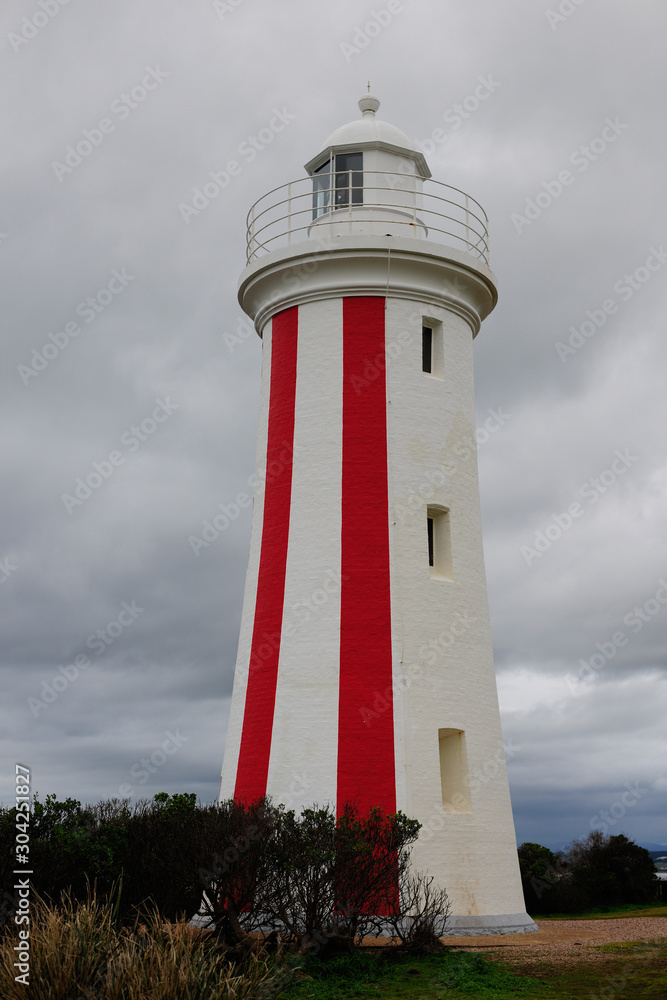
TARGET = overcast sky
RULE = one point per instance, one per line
(120, 309)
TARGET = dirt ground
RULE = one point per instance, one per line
(565, 941)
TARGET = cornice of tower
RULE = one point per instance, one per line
(361, 265)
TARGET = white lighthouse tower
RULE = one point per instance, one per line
(365, 665)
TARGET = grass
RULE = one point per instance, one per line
(626, 971)
(451, 974)
(611, 912)
(78, 952)
(633, 970)
(630, 971)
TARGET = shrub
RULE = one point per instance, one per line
(597, 871)
(422, 916)
(612, 870)
(318, 882)
(541, 873)
(69, 845)
(332, 881)
(232, 854)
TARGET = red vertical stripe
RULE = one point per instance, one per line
(253, 764)
(366, 770)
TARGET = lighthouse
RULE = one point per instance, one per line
(365, 666)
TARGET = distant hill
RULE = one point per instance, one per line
(653, 849)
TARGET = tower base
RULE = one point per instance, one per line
(475, 926)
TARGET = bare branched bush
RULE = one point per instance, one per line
(330, 880)
(233, 855)
(423, 914)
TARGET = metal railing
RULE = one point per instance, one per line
(425, 209)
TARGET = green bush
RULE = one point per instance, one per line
(70, 845)
(319, 881)
(596, 872)
(612, 870)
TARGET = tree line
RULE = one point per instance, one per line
(598, 871)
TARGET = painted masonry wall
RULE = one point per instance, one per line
(235, 724)
(304, 746)
(452, 686)
(472, 853)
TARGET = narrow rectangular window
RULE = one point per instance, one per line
(454, 780)
(322, 189)
(433, 348)
(439, 543)
(349, 184)
(427, 349)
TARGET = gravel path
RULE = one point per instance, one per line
(566, 940)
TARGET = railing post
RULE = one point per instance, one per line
(251, 234)
(289, 213)
(467, 228)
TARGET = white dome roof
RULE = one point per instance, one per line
(368, 129)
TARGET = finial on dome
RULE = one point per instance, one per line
(369, 104)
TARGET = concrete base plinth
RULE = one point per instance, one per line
(505, 923)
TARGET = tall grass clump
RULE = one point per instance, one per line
(79, 951)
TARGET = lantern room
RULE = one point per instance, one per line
(368, 180)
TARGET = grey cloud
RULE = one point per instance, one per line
(164, 335)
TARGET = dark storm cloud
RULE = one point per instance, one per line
(166, 97)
